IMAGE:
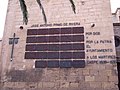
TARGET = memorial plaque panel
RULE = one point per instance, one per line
(53, 38)
(78, 46)
(65, 55)
(66, 64)
(65, 47)
(40, 64)
(31, 47)
(42, 39)
(41, 55)
(31, 40)
(78, 63)
(54, 31)
(78, 38)
(77, 30)
(59, 44)
(53, 64)
(30, 55)
(41, 47)
(67, 38)
(78, 55)
(66, 30)
(53, 47)
(53, 55)
(32, 32)
(42, 32)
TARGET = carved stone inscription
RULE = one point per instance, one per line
(98, 47)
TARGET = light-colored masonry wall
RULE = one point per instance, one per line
(0, 55)
(20, 74)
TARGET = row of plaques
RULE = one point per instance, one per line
(55, 43)
(54, 47)
(50, 31)
(60, 64)
(50, 39)
(54, 55)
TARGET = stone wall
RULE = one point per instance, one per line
(0, 59)
(117, 34)
(93, 15)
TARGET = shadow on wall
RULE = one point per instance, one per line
(34, 75)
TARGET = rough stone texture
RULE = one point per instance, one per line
(21, 73)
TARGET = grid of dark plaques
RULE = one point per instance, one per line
(55, 44)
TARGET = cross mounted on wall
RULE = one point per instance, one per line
(13, 41)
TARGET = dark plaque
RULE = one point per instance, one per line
(78, 46)
(77, 30)
(66, 30)
(53, 38)
(53, 64)
(32, 32)
(78, 63)
(31, 47)
(66, 64)
(62, 44)
(42, 32)
(41, 47)
(42, 39)
(78, 55)
(54, 31)
(66, 38)
(53, 47)
(66, 55)
(53, 55)
(40, 64)
(65, 47)
(41, 55)
(78, 38)
(31, 40)
(30, 55)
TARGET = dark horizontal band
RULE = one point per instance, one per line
(60, 64)
(54, 47)
(50, 31)
(49, 39)
(54, 55)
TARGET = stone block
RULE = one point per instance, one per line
(74, 85)
(48, 84)
(94, 72)
(40, 85)
(19, 85)
(64, 84)
(105, 72)
(31, 85)
(74, 88)
(89, 78)
(113, 78)
(84, 85)
(63, 89)
(75, 78)
(96, 84)
(9, 84)
(86, 72)
(108, 85)
(101, 78)
(47, 88)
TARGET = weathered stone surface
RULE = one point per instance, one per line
(89, 78)
(25, 76)
(20, 73)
